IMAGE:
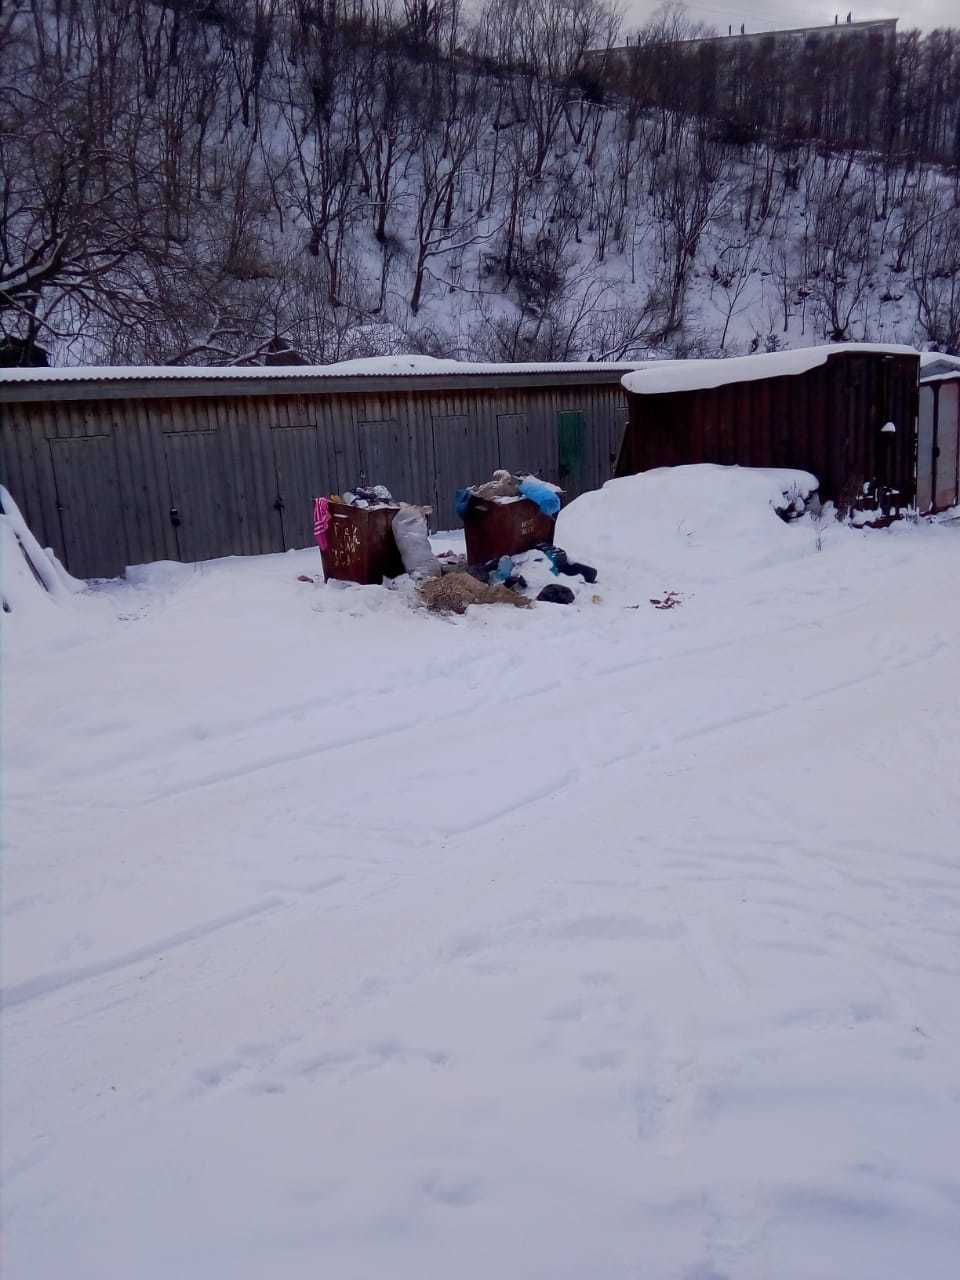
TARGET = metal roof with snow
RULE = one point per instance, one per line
(382, 373)
(937, 367)
(668, 376)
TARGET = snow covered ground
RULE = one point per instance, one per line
(602, 942)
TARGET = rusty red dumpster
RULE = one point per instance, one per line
(360, 544)
(504, 528)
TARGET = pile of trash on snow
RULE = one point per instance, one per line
(675, 527)
(450, 582)
(655, 534)
(517, 580)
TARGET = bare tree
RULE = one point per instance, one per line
(445, 223)
(735, 263)
(935, 272)
(81, 220)
(844, 255)
(687, 196)
(548, 41)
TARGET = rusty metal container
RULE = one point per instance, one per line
(829, 420)
(361, 546)
(495, 529)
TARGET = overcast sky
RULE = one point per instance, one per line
(765, 15)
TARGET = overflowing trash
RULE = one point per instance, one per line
(377, 495)
(546, 496)
(503, 485)
(506, 487)
(367, 536)
(354, 533)
(507, 515)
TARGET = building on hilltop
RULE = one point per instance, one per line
(882, 29)
(814, 82)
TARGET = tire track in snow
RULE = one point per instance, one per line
(412, 725)
(45, 984)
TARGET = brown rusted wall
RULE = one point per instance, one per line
(827, 421)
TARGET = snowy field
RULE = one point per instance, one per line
(603, 942)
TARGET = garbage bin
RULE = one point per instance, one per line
(360, 544)
(504, 528)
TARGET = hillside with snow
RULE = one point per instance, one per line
(258, 182)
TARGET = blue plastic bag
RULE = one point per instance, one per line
(462, 501)
(544, 495)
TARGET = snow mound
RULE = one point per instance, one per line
(680, 526)
(32, 580)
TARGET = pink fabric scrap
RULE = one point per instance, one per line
(321, 521)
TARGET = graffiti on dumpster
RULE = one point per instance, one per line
(346, 544)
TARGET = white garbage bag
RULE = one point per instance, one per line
(413, 543)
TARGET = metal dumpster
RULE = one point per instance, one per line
(504, 528)
(360, 545)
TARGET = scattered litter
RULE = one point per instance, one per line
(492, 572)
(455, 592)
(555, 593)
(596, 599)
(562, 563)
(305, 577)
(669, 600)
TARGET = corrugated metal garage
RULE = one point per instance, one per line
(847, 413)
(938, 435)
(123, 466)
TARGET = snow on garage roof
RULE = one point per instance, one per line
(700, 375)
(372, 367)
(937, 367)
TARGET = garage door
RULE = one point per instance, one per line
(204, 505)
(88, 499)
(304, 471)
